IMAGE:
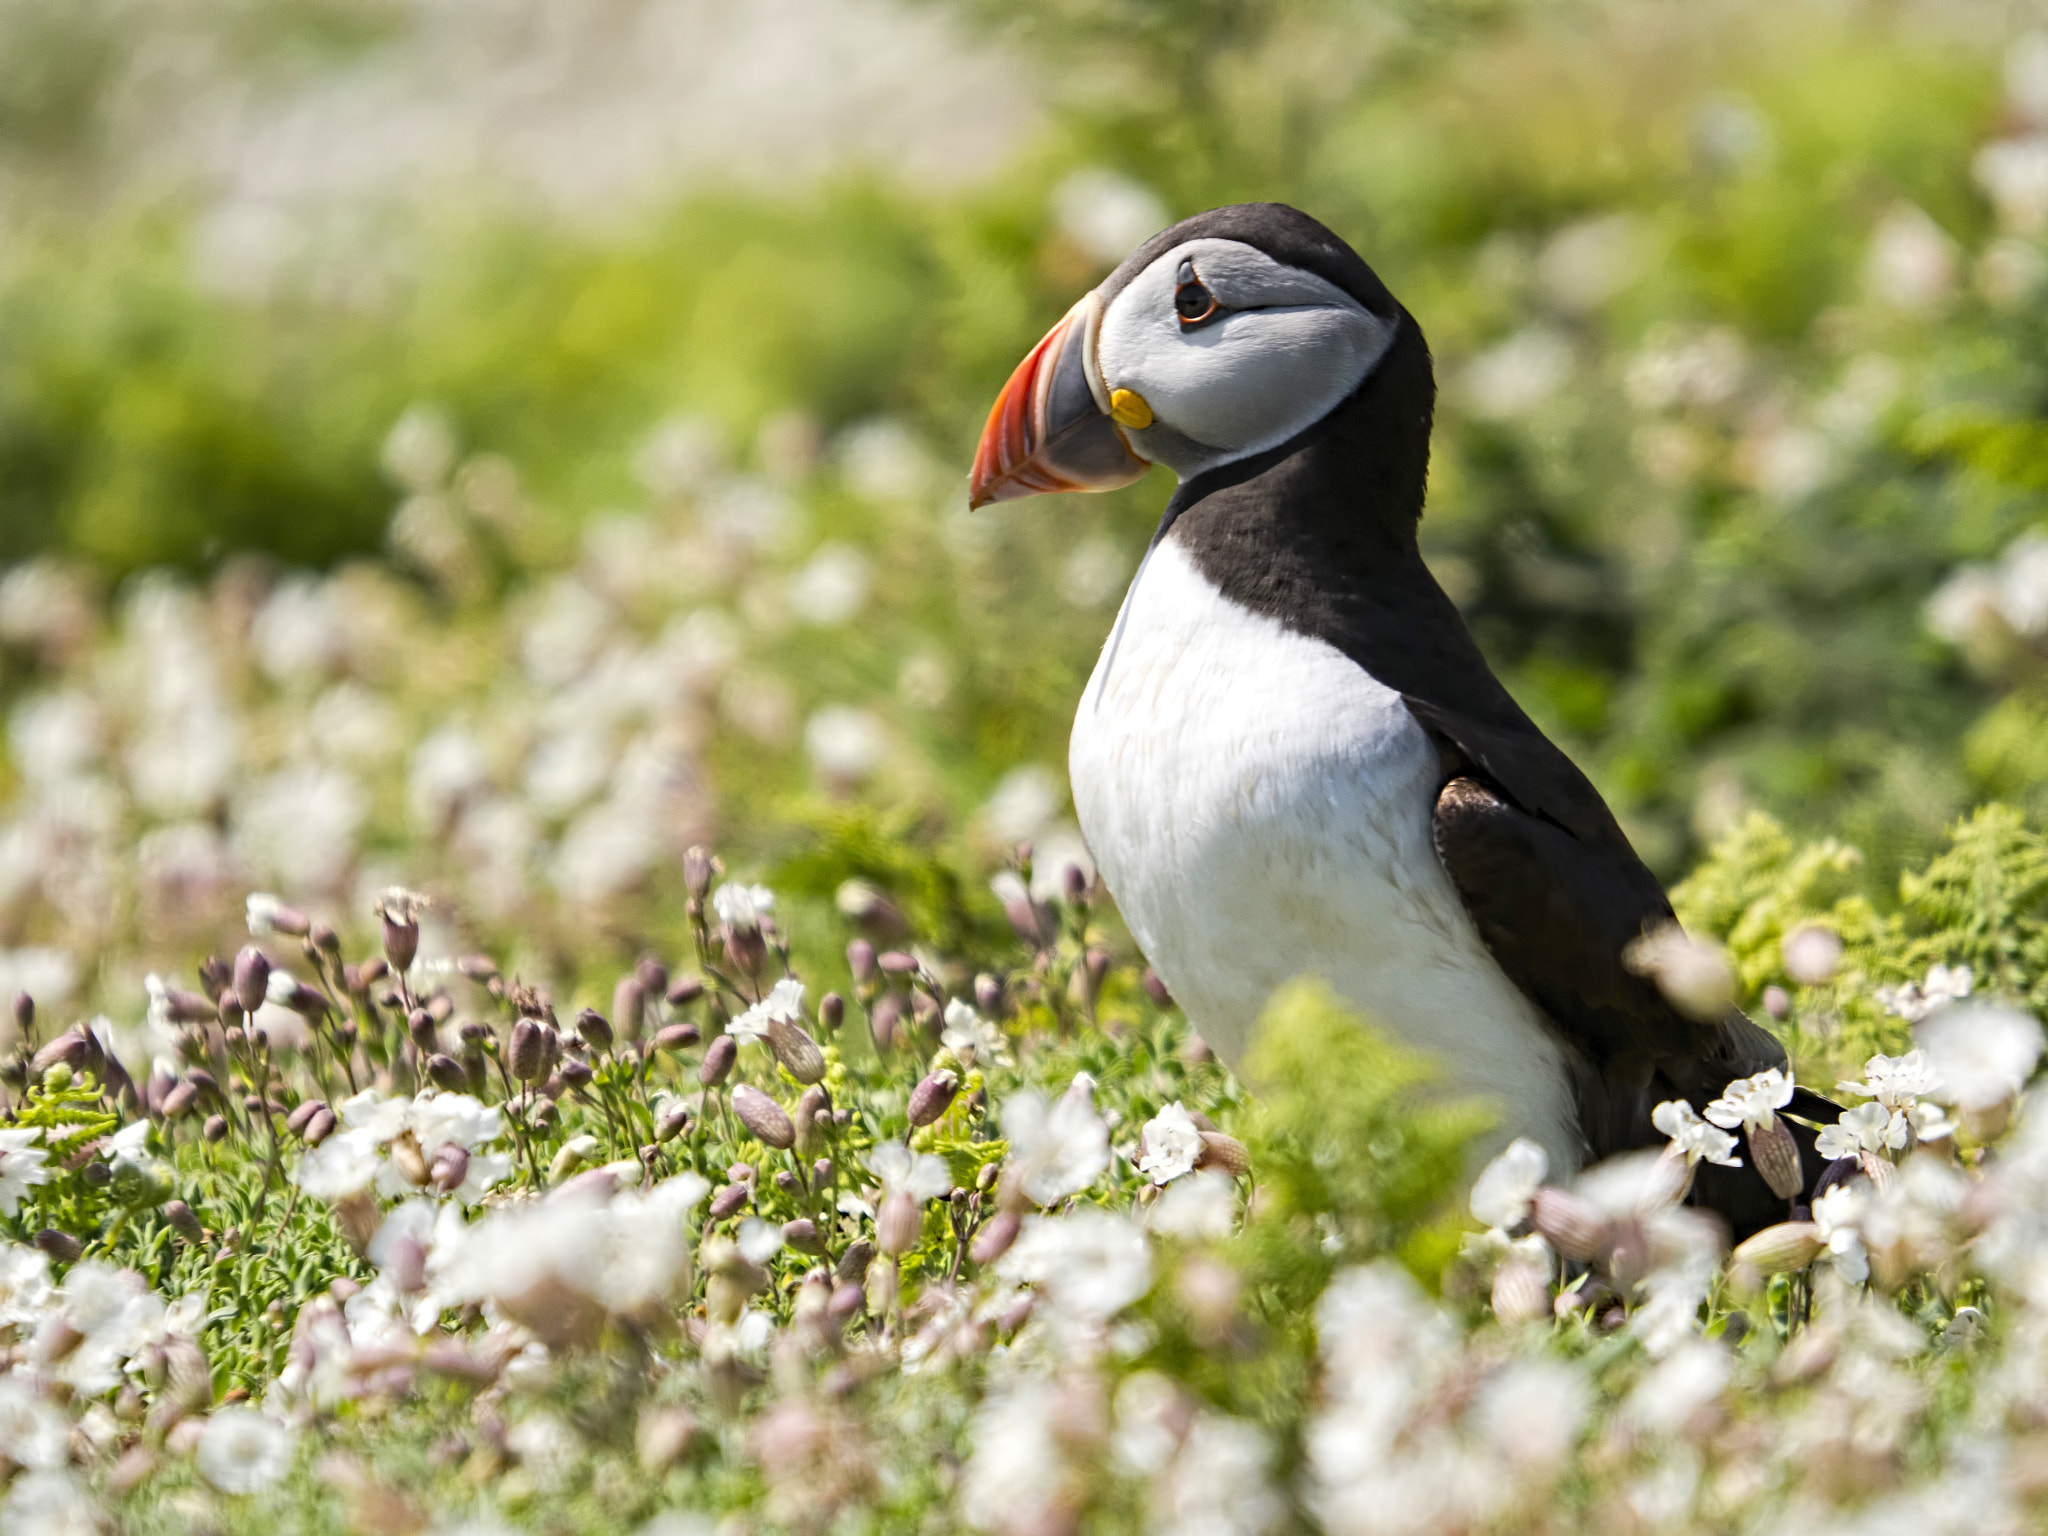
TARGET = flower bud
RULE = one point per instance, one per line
(419, 1024)
(401, 935)
(898, 962)
(575, 1073)
(897, 1224)
(1074, 882)
(297, 1120)
(478, 968)
(61, 1246)
(995, 1237)
(832, 1011)
(370, 972)
(1571, 1225)
(449, 1168)
(1778, 1250)
(802, 1235)
(179, 1099)
(814, 1103)
(730, 1200)
(860, 960)
(685, 990)
(187, 1007)
(320, 1127)
(1777, 1002)
(671, 1123)
(447, 1073)
(884, 1022)
(700, 868)
(933, 1097)
(846, 1301)
(629, 1011)
(652, 976)
(676, 1037)
(821, 1173)
(1775, 1153)
(719, 1056)
(1156, 990)
(215, 1129)
(179, 1215)
(596, 1029)
(267, 914)
(989, 998)
(574, 1153)
(529, 1053)
(1521, 1294)
(763, 1116)
(853, 1264)
(796, 1050)
(663, 1438)
(406, 1264)
(68, 1050)
(1226, 1152)
(24, 1013)
(252, 977)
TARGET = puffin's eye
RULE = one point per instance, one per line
(1191, 301)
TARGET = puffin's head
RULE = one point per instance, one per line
(1221, 337)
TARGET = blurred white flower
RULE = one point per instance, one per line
(47, 974)
(299, 825)
(1517, 375)
(1505, 1186)
(1811, 954)
(33, 1432)
(1016, 1477)
(922, 1176)
(1199, 1208)
(1089, 1264)
(1913, 1002)
(1912, 260)
(2010, 271)
(1787, 463)
(55, 736)
(50, 1503)
(1094, 573)
(1693, 1138)
(1871, 1128)
(1531, 1411)
(1023, 802)
(1693, 974)
(448, 767)
(1171, 1142)
(783, 1004)
(1217, 1483)
(25, 1290)
(1896, 1081)
(1106, 214)
(1839, 1214)
(1680, 1386)
(845, 742)
(833, 587)
(971, 1037)
(1586, 263)
(1056, 1150)
(2014, 175)
(1751, 1101)
(563, 634)
(21, 1166)
(679, 456)
(741, 906)
(242, 1451)
(1688, 371)
(1982, 1054)
(301, 631)
(419, 450)
(882, 462)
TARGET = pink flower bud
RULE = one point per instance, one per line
(596, 1029)
(252, 977)
(730, 1200)
(932, 1097)
(685, 990)
(763, 1116)
(676, 1037)
(529, 1052)
(995, 1237)
(629, 1011)
(897, 1224)
(719, 1056)
(450, 1167)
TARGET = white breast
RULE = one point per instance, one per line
(1260, 807)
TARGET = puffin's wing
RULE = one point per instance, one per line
(1558, 895)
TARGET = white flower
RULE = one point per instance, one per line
(340, 1166)
(1016, 1476)
(128, 1146)
(241, 1451)
(971, 1037)
(1837, 1214)
(1692, 1136)
(1914, 1002)
(1055, 1150)
(1505, 1186)
(1202, 1207)
(1896, 1081)
(24, 1285)
(50, 1503)
(922, 1176)
(1172, 1143)
(1983, 1054)
(261, 911)
(1683, 1383)
(784, 1004)
(32, 1431)
(1752, 1101)
(1867, 1128)
(21, 1166)
(741, 906)
(1089, 1265)
(1930, 1122)
(1531, 1411)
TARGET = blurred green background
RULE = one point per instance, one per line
(511, 343)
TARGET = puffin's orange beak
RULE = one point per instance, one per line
(1051, 430)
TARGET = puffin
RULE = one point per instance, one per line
(1292, 757)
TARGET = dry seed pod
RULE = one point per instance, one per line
(1521, 1294)
(1225, 1152)
(760, 1114)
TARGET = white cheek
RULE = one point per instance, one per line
(1252, 381)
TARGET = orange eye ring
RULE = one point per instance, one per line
(1192, 300)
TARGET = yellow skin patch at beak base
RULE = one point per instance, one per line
(1127, 408)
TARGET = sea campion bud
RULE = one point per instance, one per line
(897, 1224)
(252, 977)
(216, 977)
(832, 1011)
(802, 1235)
(852, 1267)
(730, 1200)
(629, 1009)
(676, 1037)
(320, 1127)
(814, 1103)
(420, 1025)
(478, 968)
(528, 1056)
(24, 1013)
(1220, 1150)
(299, 1118)
(763, 1116)
(796, 1050)
(187, 1007)
(995, 1237)
(1783, 1249)
(179, 1099)
(1521, 1294)
(61, 1246)
(449, 1168)
(885, 1022)
(1155, 989)
(215, 1129)
(323, 940)
(860, 960)
(447, 1073)
(182, 1221)
(700, 868)
(652, 974)
(719, 1056)
(989, 999)
(68, 1050)
(576, 1072)
(671, 1123)
(267, 914)
(596, 1029)
(1570, 1224)
(933, 1097)
(685, 990)
(1776, 1156)
(399, 914)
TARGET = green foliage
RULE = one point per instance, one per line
(1355, 1156)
